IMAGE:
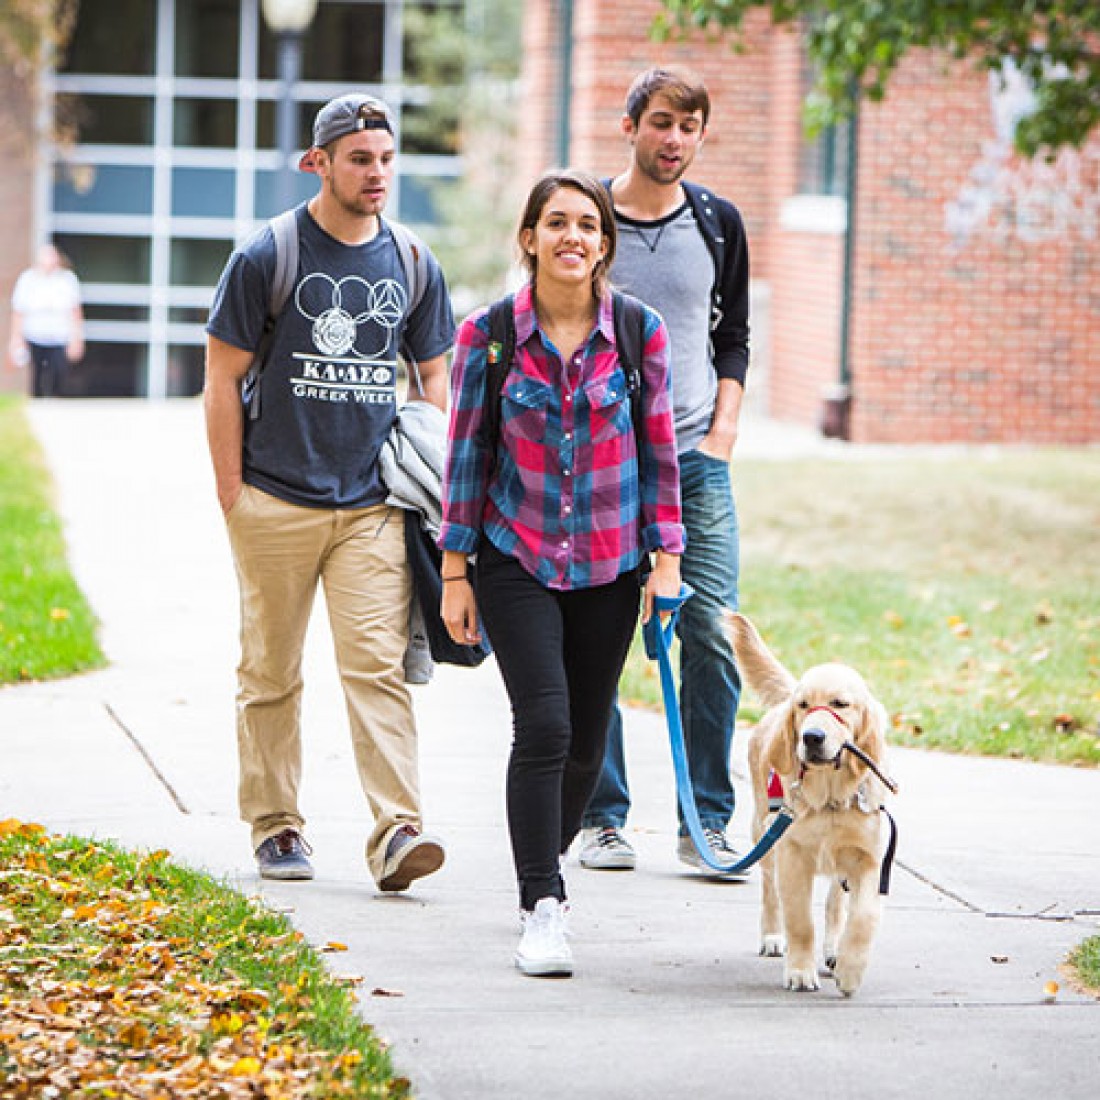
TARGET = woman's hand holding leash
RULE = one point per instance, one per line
(663, 581)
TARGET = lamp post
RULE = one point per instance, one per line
(288, 20)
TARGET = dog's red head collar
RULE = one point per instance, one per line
(828, 710)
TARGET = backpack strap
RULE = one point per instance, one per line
(413, 253)
(284, 228)
(629, 315)
(630, 320)
(414, 261)
(498, 362)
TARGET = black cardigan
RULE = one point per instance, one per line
(724, 233)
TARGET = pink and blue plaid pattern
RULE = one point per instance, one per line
(564, 496)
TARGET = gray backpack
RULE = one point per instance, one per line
(414, 262)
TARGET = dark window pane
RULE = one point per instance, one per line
(186, 365)
(433, 52)
(112, 36)
(198, 262)
(418, 199)
(822, 160)
(203, 192)
(107, 259)
(103, 189)
(266, 124)
(267, 194)
(343, 44)
(205, 123)
(431, 129)
(187, 315)
(207, 37)
(109, 370)
(116, 313)
(108, 119)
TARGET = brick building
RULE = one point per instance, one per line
(969, 308)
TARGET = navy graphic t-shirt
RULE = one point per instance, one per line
(329, 393)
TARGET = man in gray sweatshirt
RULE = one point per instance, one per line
(683, 251)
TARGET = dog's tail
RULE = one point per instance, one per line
(759, 666)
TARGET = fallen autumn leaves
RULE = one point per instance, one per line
(124, 976)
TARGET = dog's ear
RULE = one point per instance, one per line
(781, 756)
(870, 735)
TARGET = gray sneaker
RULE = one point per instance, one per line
(606, 849)
(283, 857)
(409, 856)
(722, 849)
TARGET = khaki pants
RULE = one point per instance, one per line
(281, 551)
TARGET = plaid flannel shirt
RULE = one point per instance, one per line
(564, 497)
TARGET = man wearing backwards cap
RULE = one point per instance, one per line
(302, 494)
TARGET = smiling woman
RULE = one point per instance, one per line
(561, 507)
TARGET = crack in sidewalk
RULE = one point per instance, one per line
(144, 754)
(1050, 913)
(931, 883)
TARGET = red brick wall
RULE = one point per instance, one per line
(539, 95)
(990, 335)
(16, 218)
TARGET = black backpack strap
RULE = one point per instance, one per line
(498, 362)
(629, 314)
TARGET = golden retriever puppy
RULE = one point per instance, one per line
(839, 830)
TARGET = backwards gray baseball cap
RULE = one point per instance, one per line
(349, 114)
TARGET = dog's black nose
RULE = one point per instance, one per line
(814, 740)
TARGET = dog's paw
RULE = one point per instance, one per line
(802, 981)
(773, 946)
(848, 978)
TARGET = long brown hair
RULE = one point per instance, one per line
(587, 185)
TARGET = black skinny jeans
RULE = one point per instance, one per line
(49, 363)
(560, 654)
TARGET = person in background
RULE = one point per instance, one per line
(560, 510)
(47, 321)
(302, 493)
(683, 251)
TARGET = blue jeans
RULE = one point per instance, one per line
(710, 685)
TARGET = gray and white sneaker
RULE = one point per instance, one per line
(722, 849)
(284, 857)
(543, 952)
(606, 849)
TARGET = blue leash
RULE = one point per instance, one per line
(657, 641)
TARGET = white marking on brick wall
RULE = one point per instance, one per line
(1006, 197)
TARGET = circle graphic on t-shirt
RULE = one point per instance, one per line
(342, 311)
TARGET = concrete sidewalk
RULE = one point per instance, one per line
(999, 870)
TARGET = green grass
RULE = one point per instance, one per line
(47, 629)
(965, 585)
(118, 966)
(1085, 960)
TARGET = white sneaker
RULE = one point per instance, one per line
(543, 952)
(606, 849)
